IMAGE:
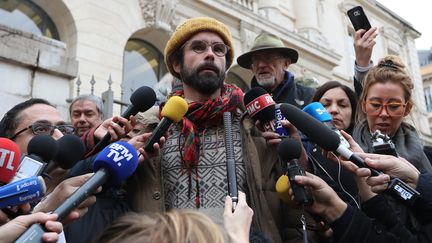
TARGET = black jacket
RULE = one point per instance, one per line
(379, 223)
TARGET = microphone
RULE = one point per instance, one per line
(71, 149)
(320, 134)
(230, 159)
(22, 191)
(173, 111)
(41, 149)
(317, 110)
(328, 140)
(113, 165)
(141, 100)
(260, 106)
(289, 151)
(9, 159)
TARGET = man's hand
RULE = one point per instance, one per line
(237, 223)
(365, 191)
(274, 139)
(115, 130)
(397, 167)
(326, 202)
(62, 192)
(12, 230)
(364, 42)
(21, 209)
(138, 143)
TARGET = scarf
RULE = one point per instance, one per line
(406, 141)
(203, 114)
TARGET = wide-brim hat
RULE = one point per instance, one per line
(266, 42)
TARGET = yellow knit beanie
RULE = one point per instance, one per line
(191, 27)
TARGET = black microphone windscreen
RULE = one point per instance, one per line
(143, 98)
(44, 146)
(264, 113)
(311, 127)
(71, 150)
(289, 149)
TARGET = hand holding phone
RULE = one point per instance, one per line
(358, 18)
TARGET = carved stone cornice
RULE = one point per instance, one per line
(393, 34)
(159, 13)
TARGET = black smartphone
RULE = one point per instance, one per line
(358, 18)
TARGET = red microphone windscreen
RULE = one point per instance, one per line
(10, 156)
(259, 105)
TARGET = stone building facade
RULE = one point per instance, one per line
(125, 39)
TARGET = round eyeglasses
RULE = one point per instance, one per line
(199, 46)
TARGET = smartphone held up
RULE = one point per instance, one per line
(358, 18)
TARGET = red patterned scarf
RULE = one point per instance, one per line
(201, 114)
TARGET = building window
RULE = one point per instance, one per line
(428, 98)
(27, 16)
(143, 64)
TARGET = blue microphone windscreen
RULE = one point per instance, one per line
(318, 111)
(120, 159)
(22, 191)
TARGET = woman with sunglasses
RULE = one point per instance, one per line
(340, 101)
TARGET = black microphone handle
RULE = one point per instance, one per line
(230, 158)
(157, 133)
(130, 111)
(300, 194)
(49, 167)
(35, 232)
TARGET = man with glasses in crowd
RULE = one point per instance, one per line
(39, 117)
(269, 60)
(33, 117)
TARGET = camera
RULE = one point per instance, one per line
(382, 144)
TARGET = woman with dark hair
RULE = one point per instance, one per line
(340, 102)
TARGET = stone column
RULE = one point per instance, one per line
(270, 9)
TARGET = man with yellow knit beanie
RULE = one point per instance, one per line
(191, 169)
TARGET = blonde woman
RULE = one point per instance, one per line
(178, 226)
(385, 102)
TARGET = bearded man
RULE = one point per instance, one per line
(269, 60)
(190, 171)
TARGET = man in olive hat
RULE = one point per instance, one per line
(269, 60)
